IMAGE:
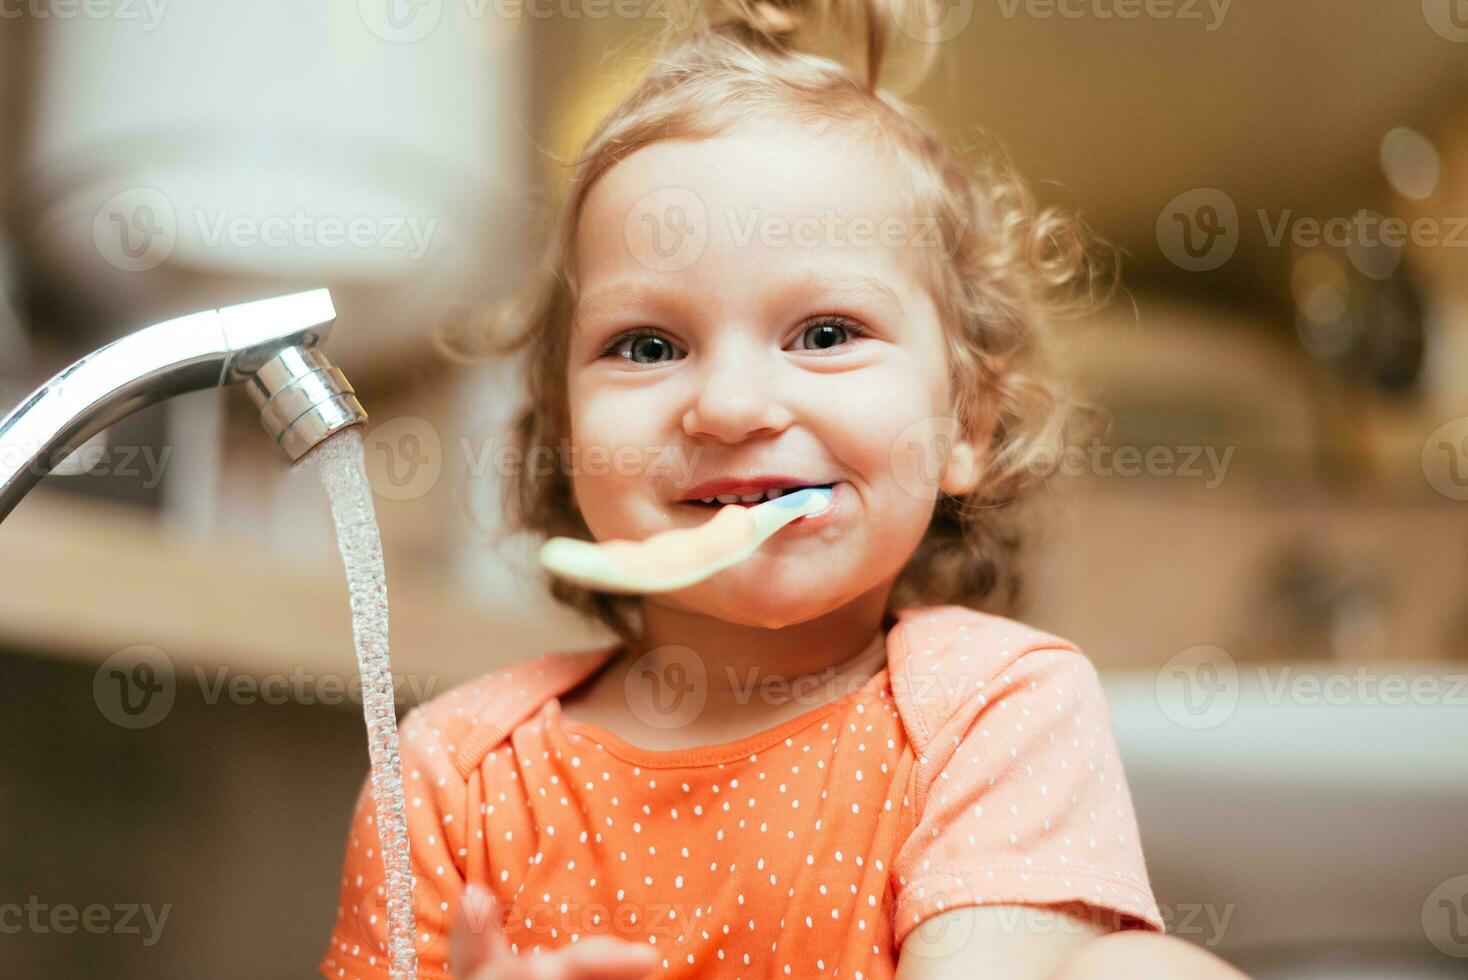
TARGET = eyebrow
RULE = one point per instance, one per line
(865, 286)
(611, 298)
(627, 295)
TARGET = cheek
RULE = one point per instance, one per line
(611, 462)
(905, 508)
(904, 445)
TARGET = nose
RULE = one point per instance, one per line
(738, 393)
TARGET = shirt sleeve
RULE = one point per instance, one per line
(435, 798)
(1031, 808)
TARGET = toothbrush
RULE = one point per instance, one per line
(684, 556)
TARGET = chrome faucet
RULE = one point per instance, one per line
(272, 346)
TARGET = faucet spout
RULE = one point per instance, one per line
(270, 345)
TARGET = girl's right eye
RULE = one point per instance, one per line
(631, 338)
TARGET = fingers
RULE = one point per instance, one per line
(605, 958)
(476, 940)
(478, 950)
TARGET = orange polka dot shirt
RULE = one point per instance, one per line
(978, 767)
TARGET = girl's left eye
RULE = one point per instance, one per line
(829, 330)
(829, 326)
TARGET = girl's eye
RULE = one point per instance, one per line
(645, 346)
(829, 331)
(651, 344)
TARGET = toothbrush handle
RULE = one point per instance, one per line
(686, 549)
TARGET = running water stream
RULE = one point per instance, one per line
(341, 462)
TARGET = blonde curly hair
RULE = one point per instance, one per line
(1004, 271)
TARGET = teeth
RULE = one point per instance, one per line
(748, 498)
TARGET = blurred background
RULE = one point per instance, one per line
(1265, 553)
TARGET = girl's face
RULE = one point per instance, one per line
(750, 306)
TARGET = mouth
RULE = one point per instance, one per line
(752, 498)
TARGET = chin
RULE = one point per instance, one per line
(763, 607)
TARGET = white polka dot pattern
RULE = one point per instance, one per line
(978, 767)
(1023, 798)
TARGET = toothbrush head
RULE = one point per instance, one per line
(798, 498)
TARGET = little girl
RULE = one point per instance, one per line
(822, 761)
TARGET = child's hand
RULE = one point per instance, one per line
(478, 950)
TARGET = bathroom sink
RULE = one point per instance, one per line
(1300, 823)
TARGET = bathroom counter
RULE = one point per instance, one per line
(81, 580)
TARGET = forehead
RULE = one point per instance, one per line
(761, 201)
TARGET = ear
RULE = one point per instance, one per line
(962, 474)
(966, 460)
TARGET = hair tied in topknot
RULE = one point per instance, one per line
(864, 36)
(775, 19)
